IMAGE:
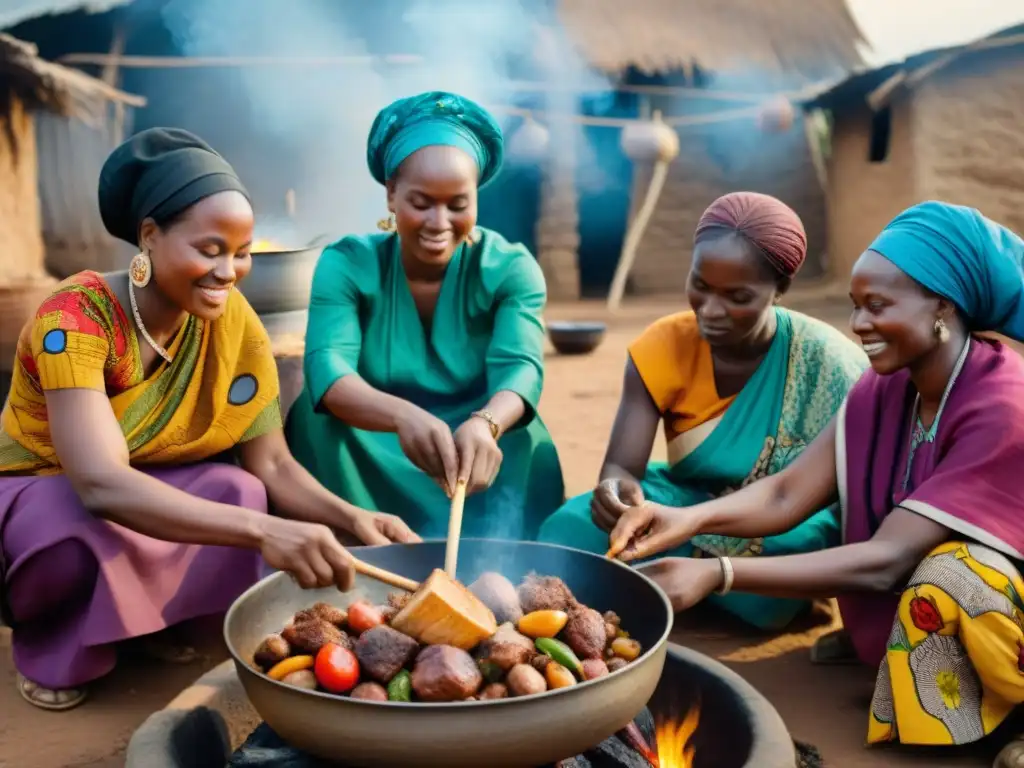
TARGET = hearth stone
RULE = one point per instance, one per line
(265, 749)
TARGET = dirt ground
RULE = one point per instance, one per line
(826, 707)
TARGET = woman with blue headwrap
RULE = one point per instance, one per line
(424, 348)
(925, 459)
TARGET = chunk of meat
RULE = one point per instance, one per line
(311, 635)
(506, 648)
(499, 594)
(398, 600)
(585, 632)
(445, 673)
(329, 613)
(494, 691)
(383, 652)
(544, 593)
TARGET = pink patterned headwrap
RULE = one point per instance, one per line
(769, 224)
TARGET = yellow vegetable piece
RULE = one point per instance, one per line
(284, 668)
(558, 676)
(625, 648)
(543, 623)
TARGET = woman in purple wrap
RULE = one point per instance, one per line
(925, 459)
(117, 520)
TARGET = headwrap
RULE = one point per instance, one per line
(964, 257)
(430, 119)
(767, 223)
(159, 173)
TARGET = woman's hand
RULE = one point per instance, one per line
(308, 551)
(479, 454)
(428, 443)
(378, 528)
(652, 528)
(612, 499)
(686, 580)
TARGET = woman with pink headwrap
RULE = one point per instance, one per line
(740, 386)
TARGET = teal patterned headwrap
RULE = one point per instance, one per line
(431, 119)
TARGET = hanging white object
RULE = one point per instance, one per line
(650, 141)
(529, 143)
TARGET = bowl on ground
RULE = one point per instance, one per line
(576, 338)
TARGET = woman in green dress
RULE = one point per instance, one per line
(424, 350)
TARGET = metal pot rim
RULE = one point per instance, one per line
(646, 657)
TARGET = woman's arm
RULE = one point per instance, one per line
(779, 502)
(93, 453)
(881, 564)
(297, 495)
(633, 432)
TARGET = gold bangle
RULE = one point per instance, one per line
(491, 421)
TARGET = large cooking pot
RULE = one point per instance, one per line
(508, 733)
(280, 280)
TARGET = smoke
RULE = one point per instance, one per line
(316, 118)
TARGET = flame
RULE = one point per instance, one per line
(674, 747)
(263, 245)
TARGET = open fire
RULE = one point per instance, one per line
(674, 736)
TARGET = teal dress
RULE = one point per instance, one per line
(796, 390)
(487, 336)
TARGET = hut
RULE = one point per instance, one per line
(41, 103)
(695, 58)
(943, 124)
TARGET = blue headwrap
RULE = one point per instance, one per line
(962, 256)
(430, 119)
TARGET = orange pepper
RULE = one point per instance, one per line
(543, 623)
(284, 668)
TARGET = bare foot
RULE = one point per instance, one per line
(1012, 755)
(834, 648)
(46, 698)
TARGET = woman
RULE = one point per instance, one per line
(116, 521)
(925, 459)
(424, 349)
(740, 385)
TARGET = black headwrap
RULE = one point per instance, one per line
(159, 173)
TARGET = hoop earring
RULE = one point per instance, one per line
(140, 271)
(942, 330)
(387, 225)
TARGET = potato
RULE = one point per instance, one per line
(304, 678)
(273, 649)
(494, 691)
(594, 668)
(524, 680)
(369, 692)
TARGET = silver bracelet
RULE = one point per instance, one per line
(728, 575)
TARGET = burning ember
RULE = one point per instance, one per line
(673, 736)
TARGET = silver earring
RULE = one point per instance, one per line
(941, 330)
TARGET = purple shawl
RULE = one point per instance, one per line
(968, 479)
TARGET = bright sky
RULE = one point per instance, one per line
(898, 28)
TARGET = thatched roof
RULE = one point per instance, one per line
(16, 11)
(802, 40)
(876, 87)
(43, 85)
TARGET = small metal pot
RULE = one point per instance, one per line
(507, 733)
(280, 281)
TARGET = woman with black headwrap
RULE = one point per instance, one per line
(115, 519)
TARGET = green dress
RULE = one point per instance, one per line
(487, 335)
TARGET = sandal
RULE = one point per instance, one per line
(46, 698)
(1012, 755)
(835, 648)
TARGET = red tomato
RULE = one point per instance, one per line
(363, 616)
(336, 668)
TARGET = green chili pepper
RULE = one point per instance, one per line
(400, 687)
(491, 672)
(561, 653)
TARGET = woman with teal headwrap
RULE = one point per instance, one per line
(424, 349)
